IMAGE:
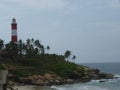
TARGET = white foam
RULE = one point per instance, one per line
(117, 76)
(28, 87)
(58, 88)
(94, 81)
(77, 87)
(116, 79)
(91, 88)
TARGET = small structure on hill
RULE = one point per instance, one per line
(3, 78)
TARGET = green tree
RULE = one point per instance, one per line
(47, 48)
(38, 45)
(12, 49)
(67, 54)
(20, 47)
(24, 47)
(28, 42)
(29, 48)
(1, 44)
(73, 58)
(32, 40)
(42, 50)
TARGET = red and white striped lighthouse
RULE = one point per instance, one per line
(14, 30)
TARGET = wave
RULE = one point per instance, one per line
(117, 76)
(78, 87)
(93, 85)
(57, 88)
(27, 87)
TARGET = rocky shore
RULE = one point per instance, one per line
(77, 76)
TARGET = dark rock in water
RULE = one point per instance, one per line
(96, 74)
(103, 80)
(105, 76)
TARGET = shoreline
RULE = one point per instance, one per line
(50, 78)
(19, 86)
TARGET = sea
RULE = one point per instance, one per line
(111, 84)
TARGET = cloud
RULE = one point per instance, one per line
(62, 4)
(104, 26)
(62, 7)
(113, 3)
(99, 3)
(42, 4)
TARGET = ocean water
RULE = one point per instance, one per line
(111, 84)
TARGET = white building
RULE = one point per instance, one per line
(3, 77)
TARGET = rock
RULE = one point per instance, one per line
(24, 80)
(103, 80)
(96, 71)
(96, 74)
(105, 76)
(70, 81)
(48, 79)
(95, 77)
(86, 75)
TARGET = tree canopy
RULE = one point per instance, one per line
(29, 48)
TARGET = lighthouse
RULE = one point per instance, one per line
(14, 30)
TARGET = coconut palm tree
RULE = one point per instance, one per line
(67, 54)
(38, 45)
(20, 46)
(48, 48)
(1, 44)
(12, 49)
(73, 58)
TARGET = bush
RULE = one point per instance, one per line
(2, 67)
(65, 69)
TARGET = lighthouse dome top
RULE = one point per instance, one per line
(13, 20)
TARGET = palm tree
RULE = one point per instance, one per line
(30, 50)
(48, 48)
(32, 40)
(36, 51)
(42, 50)
(20, 46)
(1, 44)
(28, 42)
(38, 45)
(73, 58)
(12, 49)
(67, 54)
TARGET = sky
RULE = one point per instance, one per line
(90, 29)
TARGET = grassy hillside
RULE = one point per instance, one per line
(23, 66)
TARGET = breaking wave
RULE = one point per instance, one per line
(82, 87)
(93, 85)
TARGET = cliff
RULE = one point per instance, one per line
(81, 74)
(52, 79)
(49, 70)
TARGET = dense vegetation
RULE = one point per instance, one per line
(31, 56)
(28, 62)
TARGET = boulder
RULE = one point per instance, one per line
(105, 76)
(70, 81)
(47, 79)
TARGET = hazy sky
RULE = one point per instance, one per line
(89, 28)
